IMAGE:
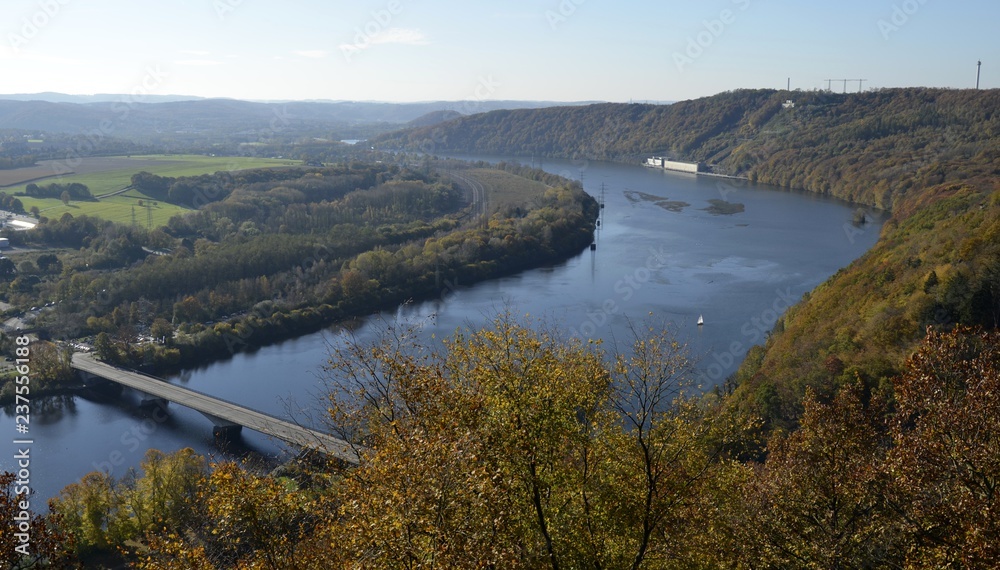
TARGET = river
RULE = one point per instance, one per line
(656, 258)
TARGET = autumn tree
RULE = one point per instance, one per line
(817, 501)
(466, 462)
(245, 520)
(51, 363)
(512, 448)
(666, 446)
(44, 545)
(103, 514)
(945, 467)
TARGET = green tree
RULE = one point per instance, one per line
(162, 329)
(105, 347)
(8, 270)
(104, 514)
(48, 262)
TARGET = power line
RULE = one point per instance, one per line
(829, 84)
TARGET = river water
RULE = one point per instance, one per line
(656, 258)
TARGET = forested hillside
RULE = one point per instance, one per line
(930, 156)
(871, 147)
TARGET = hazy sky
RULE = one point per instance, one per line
(417, 50)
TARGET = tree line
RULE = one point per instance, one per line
(508, 447)
(73, 190)
(282, 253)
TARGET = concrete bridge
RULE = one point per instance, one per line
(228, 418)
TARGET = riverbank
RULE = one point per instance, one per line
(651, 264)
(537, 220)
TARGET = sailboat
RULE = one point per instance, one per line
(701, 320)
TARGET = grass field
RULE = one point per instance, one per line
(506, 188)
(107, 175)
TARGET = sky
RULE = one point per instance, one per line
(554, 50)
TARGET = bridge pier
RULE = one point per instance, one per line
(224, 429)
(148, 401)
(227, 433)
(227, 417)
(99, 386)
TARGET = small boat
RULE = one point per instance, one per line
(701, 320)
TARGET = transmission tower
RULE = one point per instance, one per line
(829, 83)
(149, 214)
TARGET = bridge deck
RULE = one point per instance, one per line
(212, 406)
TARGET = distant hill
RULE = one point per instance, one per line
(826, 143)
(433, 118)
(55, 112)
(52, 97)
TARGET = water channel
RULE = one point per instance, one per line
(664, 251)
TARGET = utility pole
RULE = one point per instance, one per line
(979, 68)
(860, 82)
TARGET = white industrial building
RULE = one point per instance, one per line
(669, 164)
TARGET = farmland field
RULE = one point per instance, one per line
(111, 175)
(505, 188)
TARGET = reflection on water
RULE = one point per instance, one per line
(739, 268)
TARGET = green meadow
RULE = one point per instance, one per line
(108, 177)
